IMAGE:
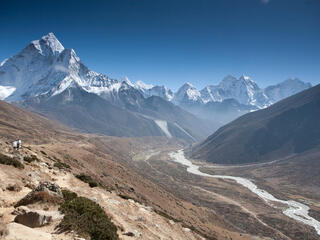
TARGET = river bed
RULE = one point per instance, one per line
(295, 210)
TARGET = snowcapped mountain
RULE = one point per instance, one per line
(285, 89)
(187, 94)
(45, 67)
(224, 102)
(53, 81)
(244, 90)
(149, 90)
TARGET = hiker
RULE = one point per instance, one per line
(16, 144)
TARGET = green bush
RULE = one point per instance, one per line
(30, 159)
(86, 217)
(10, 161)
(43, 152)
(68, 195)
(93, 184)
(61, 165)
(87, 179)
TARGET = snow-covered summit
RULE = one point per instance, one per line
(286, 88)
(45, 67)
(243, 89)
(47, 45)
(187, 94)
(148, 90)
(143, 86)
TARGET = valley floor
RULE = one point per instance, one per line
(152, 197)
(234, 203)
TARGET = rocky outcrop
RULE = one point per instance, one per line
(45, 192)
(33, 219)
(50, 187)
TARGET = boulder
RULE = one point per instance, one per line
(49, 187)
(17, 231)
(33, 219)
(47, 191)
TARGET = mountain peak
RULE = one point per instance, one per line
(187, 85)
(48, 45)
(126, 80)
(244, 77)
(296, 81)
(144, 86)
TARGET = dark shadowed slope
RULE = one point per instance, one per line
(90, 113)
(288, 127)
(18, 123)
(179, 120)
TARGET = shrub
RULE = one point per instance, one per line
(163, 214)
(68, 195)
(86, 217)
(87, 179)
(10, 161)
(44, 153)
(123, 196)
(93, 184)
(30, 159)
(61, 165)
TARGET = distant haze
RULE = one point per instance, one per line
(173, 42)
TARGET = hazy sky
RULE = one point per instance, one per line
(174, 41)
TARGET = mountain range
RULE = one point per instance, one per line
(49, 79)
(228, 100)
(287, 128)
(52, 80)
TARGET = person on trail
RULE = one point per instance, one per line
(15, 144)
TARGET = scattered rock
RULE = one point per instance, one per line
(136, 233)
(130, 234)
(186, 229)
(140, 219)
(33, 219)
(20, 210)
(14, 188)
(17, 231)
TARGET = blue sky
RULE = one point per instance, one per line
(171, 42)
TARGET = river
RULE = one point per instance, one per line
(295, 210)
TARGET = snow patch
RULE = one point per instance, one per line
(163, 125)
(182, 129)
(3, 62)
(6, 91)
(143, 86)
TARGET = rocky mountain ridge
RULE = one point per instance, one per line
(47, 78)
